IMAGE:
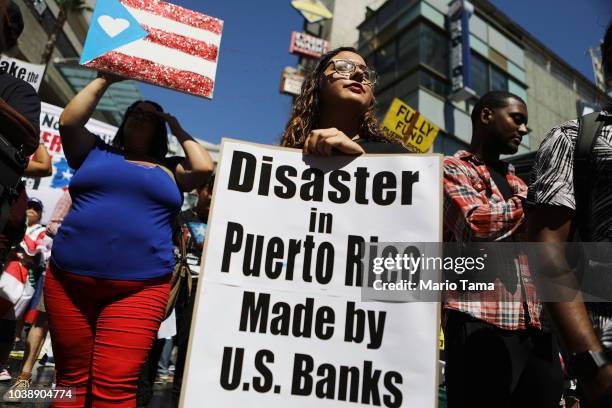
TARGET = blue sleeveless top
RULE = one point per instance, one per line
(120, 224)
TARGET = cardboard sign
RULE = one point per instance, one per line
(155, 42)
(279, 319)
(50, 189)
(291, 81)
(410, 127)
(308, 45)
(31, 73)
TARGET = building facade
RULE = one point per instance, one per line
(408, 43)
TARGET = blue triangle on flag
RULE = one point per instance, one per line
(112, 26)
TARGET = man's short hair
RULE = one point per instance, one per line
(493, 100)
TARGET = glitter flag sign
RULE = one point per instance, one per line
(155, 42)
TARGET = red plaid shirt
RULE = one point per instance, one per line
(475, 210)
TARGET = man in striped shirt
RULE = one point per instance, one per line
(497, 354)
(553, 217)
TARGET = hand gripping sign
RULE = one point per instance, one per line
(155, 42)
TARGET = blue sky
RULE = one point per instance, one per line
(254, 50)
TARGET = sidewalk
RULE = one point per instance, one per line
(43, 375)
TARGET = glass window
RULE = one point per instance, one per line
(367, 30)
(407, 85)
(499, 80)
(408, 48)
(385, 63)
(433, 83)
(480, 75)
(432, 14)
(517, 89)
(433, 49)
(387, 12)
(48, 21)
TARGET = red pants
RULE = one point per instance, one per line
(101, 332)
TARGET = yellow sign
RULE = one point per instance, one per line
(312, 10)
(413, 130)
(441, 343)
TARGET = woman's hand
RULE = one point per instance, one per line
(173, 123)
(322, 142)
(110, 78)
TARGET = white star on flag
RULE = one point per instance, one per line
(201, 230)
(67, 175)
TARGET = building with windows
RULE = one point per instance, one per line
(408, 43)
(342, 29)
(64, 77)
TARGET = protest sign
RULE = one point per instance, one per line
(31, 73)
(291, 81)
(50, 189)
(409, 127)
(279, 319)
(155, 42)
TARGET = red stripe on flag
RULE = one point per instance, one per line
(147, 71)
(177, 13)
(185, 44)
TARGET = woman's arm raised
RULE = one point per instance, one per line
(76, 140)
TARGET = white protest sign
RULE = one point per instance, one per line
(31, 73)
(279, 319)
(50, 189)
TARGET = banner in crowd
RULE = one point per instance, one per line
(410, 127)
(155, 42)
(50, 189)
(279, 319)
(31, 73)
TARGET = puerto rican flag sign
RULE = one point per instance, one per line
(156, 42)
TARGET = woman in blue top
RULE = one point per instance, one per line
(108, 279)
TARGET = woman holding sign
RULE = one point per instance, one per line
(108, 280)
(336, 110)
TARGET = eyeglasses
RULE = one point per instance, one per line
(347, 68)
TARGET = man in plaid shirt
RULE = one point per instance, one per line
(497, 354)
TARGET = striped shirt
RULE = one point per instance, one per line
(552, 178)
(475, 210)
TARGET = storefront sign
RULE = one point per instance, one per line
(308, 45)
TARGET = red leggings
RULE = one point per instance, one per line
(101, 332)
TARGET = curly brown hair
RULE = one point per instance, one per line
(305, 112)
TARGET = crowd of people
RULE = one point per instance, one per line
(98, 277)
